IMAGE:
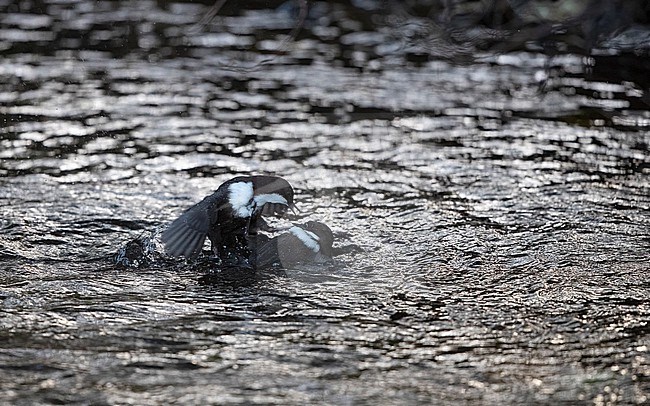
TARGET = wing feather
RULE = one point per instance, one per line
(292, 250)
(266, 254)
(186, 235)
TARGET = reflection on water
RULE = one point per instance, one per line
(491, 216)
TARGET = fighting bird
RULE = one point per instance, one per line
(305, 243)
(228, 218)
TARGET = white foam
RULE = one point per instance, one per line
(307, 237)
(241, 198)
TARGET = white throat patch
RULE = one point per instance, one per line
(307, 237)
(240, 197)
(261, 200)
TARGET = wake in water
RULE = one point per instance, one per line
(311, 242)
(142, 252)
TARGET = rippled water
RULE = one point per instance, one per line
(491, 216)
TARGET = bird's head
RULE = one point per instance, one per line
(272, 195)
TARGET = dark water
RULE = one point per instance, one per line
(493, 211)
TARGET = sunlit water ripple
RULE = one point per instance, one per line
(493, 238)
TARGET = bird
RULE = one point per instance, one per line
(229, 218)
(310, 242)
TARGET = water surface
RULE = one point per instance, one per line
(492, 214)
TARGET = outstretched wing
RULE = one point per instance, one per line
(185, 235)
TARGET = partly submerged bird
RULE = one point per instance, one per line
(306, 243)
(228, 218)
(309, 243)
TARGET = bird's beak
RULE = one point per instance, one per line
(294, 209)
